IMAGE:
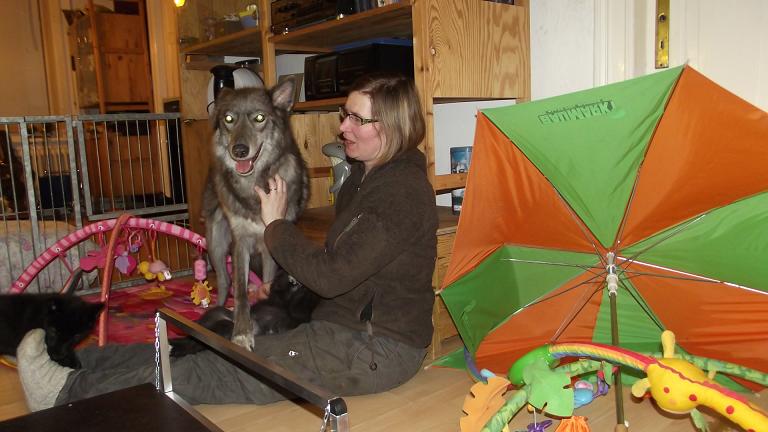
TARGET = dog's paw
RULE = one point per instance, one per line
(244, 341)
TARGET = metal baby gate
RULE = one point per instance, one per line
(59, 173)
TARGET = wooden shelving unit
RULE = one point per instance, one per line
(464, 50)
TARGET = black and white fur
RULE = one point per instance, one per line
(66, 318)
(289, 304)
(252, 141)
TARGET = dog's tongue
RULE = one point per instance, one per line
(244, 166)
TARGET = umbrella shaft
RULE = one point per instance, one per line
(618, 392)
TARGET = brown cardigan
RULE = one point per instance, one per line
(382, 245)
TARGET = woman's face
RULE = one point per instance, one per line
(362, 142)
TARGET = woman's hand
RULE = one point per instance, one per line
(274, 202)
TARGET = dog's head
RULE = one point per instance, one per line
(251, 126)
(68, 322)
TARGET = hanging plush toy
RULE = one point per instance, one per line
(201, 292)
(155, 270)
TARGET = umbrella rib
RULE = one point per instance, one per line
(587, 268)
(669, 235)
(584, 229)
(658, 275)
(588, 281)
(643, 305)
(574, 312)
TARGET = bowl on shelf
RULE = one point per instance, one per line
(249, 17)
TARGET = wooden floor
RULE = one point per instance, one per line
(430, 402)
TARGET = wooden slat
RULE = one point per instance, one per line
(446, 182)
(386, 21)
(246, 43)
(196, 137)
(320, 172)
(320, 105)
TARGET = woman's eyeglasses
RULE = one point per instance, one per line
(354, 118)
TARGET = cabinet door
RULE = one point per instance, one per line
(196, 138)
(312, 131)
(126, 78)
(478, 49)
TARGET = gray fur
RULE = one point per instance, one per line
(231, 207)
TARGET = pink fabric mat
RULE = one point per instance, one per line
(132, 310)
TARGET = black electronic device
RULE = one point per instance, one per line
(331, 75)
(289, 15)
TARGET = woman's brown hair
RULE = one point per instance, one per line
(395, 104)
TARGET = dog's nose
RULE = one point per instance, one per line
(240, 150)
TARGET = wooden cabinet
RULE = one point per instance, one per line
(112, 60)
(463, 50)
(441, 319)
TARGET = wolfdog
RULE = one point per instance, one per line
(252, 141)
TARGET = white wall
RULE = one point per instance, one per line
(562, 46)
(562, 57)
(23, 90)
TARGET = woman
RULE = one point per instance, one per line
(371, 329)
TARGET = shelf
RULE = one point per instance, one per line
(320, 105)
(245, 43)
(446, 182)
(389, 21)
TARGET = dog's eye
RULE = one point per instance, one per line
(229, 118)
(259, 118)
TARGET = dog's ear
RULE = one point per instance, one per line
(91, 312)
(74, 281)
(214, 110)
(282, 94)
(95, 308)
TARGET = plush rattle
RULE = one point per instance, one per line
(201, 292)
(155, 270)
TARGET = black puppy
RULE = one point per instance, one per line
(66, 318)
(289, 304)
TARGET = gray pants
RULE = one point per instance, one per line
(329, 355)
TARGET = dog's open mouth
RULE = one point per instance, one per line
(244, 167)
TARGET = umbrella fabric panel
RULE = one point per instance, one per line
(577, 310)
(567, 312)
(728, 244)
(710, 149)
(639, 327)
(710, 319)
(506, 282)
(508, 201)
(590, 144)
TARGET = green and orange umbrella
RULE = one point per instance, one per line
(649, 194)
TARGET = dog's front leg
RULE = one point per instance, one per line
(219, 238)
(242, 333)
(268, 265)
